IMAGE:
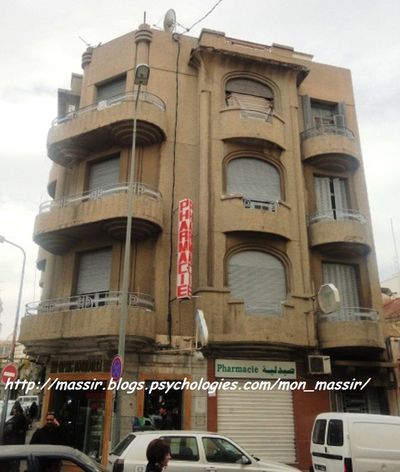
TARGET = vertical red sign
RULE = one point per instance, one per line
(185, 249)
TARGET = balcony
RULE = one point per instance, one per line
(340, 229)
(74, 135)
(237, 213)
(331, 147)
(63, 222)
(350, 328)
(87, 321)
(244, 124)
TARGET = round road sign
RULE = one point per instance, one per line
(116, 368)
(9, 373)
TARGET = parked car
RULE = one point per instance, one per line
(356, 442)
(190, 451)
(44, 457)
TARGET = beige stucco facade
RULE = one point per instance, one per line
(187, 137)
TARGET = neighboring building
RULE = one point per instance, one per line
(393, 283)
(265, 143)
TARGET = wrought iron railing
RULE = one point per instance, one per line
(327, 129)
(116, 100)
(342, 214)
(101, 192)
(350, 314)
(87, 301)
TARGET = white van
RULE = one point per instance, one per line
(355, 442)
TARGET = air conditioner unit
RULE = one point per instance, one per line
(319, 365)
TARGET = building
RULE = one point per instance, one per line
(265, 143)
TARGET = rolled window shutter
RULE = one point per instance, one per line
(104, 173)
(254, 179)
(111, 89)
(94, 272)
(249, 87)
(308, 121)
(259, 279)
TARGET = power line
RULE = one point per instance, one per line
(203, 17)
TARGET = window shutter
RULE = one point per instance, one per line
(259, 279)
(341, 112)
(308, 121)
(341, 204)
(104, 173)
(249, 87)
(94, 272)
(323, 196)
(254, 179)
(111, 89)
(343, 276)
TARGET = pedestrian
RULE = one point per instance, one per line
(33, 411)
(158, 454)
(166, 418)
(50, 433)
(15, 428)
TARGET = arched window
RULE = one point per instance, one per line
(259, 279)
(249, 95)
(255, 179)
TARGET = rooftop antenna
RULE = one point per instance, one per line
(87, 44)
(169, 23)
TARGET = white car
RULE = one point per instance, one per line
(191, 451)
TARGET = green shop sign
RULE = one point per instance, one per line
(255, 369)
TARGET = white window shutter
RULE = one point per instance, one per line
(323, 196)
(259, 279)
(341, 204)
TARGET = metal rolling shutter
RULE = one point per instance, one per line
(111, 89)
(94, 272)
(254, 179)
(260, 421)
(104, 173)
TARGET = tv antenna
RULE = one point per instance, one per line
(169, 23)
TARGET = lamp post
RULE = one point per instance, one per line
(142, 72)
(14, 338)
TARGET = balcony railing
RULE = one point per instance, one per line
(350, 314)
(116, 100)
(327, 129)
(88, 301)
(342, 214)
(101, 192)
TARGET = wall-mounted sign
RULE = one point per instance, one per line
(185, 249)
(228, 368)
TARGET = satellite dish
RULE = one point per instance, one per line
(170, 21)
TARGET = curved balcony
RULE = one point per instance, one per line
(72, 136)
(345, 230)
(330, 147)
(61, 223)
(350, 328)
(236, 213)
(242, 124)
(88, 321)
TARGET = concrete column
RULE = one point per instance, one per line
(143, 38)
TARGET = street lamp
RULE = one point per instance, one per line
(14, 338)
(142, 72)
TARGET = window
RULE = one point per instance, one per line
(104, 174)
(111, 89)
(183, 448)
(335, 433)
(259, 279)
(249, 95)
(11, 465)
(93, 280)
(344, 277)
(255, 179)
(318, 436)
(220, 450)
(331, 198)
(324, 115)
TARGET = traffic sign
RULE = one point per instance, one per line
(116, 368)
(9, 373)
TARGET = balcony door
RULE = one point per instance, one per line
(344, 277)
(331, 197)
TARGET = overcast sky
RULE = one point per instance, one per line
(40, 48)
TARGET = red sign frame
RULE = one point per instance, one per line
(185, 249)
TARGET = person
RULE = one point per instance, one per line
(50, 433)
(33, 411)
(166, 418)
(158, 454)
(15, 428)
